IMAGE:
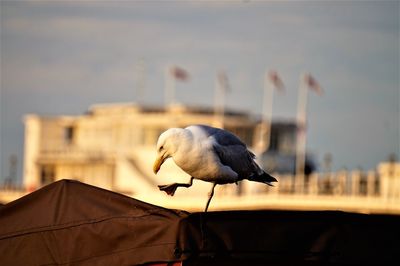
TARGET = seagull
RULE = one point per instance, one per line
(209, 154)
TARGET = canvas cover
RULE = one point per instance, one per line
(71, 223)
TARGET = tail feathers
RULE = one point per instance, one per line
(263, 178)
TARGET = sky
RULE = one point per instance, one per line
(60, 57)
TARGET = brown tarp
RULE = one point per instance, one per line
(71, 223)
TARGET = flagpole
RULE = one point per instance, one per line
(266, 117)
(219, 99)
(301, 134)
(169, 86)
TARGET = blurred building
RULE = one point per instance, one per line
(113, 145)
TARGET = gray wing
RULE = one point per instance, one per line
(238, 158)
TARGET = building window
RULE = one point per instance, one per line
(47, 174)
(69, 134)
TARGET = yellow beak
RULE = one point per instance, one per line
(157, 163)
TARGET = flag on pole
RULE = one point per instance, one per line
(313, 84)
(275, 80)
(179, 73)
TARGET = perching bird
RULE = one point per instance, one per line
(209, 154)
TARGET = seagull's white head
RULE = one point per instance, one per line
(167, 145)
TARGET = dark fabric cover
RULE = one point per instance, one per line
(292, 238)
(70, 223)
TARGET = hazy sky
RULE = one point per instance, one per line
(61, 57)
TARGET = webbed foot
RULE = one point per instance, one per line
(169, 189)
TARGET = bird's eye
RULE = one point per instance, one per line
(162, 147)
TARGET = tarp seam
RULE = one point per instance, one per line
(72, 224)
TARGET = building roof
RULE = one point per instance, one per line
(68, 222)
(175, 108)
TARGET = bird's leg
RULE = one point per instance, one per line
(210, 196)
(171, 188)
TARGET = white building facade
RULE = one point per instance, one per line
(113, 145)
